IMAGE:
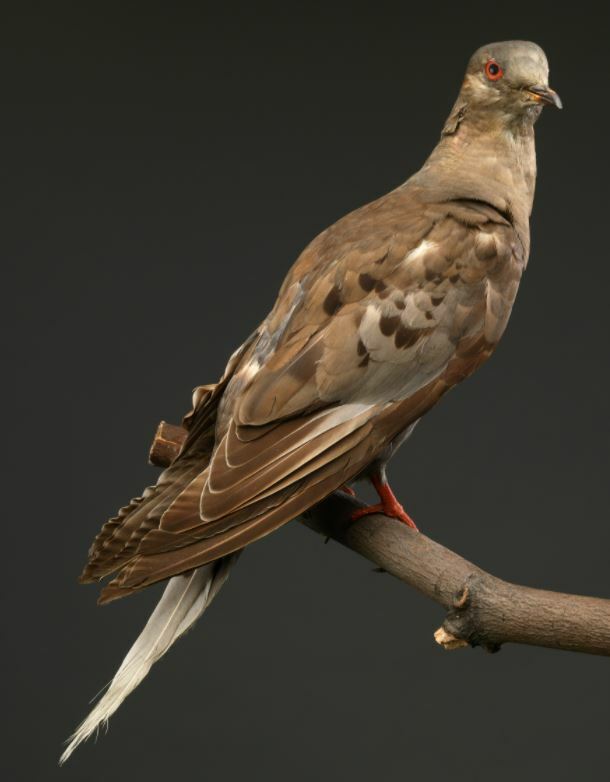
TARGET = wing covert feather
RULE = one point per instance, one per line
(381, 314)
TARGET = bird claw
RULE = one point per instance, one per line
(348, 490)
(393, 509)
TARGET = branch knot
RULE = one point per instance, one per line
(462, 623)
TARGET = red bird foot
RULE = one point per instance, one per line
(389, 505)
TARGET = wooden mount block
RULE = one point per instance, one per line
(167, 443)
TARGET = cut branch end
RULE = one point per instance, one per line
(449, 641)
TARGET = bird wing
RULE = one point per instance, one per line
(118, 540)
(380, 316)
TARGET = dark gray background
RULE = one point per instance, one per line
(164, 167)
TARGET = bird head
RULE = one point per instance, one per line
(509, 81)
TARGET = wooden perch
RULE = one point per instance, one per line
(482, 610)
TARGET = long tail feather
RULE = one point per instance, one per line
(185, 598)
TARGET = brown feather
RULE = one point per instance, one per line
(382, 314)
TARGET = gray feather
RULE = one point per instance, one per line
(185, 598)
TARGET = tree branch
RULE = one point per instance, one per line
(482, 610)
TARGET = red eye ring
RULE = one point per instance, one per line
(493, 71)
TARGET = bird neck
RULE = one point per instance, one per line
(486, 158)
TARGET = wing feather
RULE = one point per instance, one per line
(370, 329)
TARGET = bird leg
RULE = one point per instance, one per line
(389, 505)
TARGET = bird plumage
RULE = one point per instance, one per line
(419, 299)
(381, 314)
(184, 599)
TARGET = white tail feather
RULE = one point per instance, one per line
(184, 600)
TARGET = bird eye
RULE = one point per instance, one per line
(493, 71)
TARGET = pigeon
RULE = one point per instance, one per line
(379, 317)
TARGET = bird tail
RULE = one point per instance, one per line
(185, 598)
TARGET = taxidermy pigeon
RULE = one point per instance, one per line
(381, 314)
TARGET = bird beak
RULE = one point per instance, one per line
(545, 95)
